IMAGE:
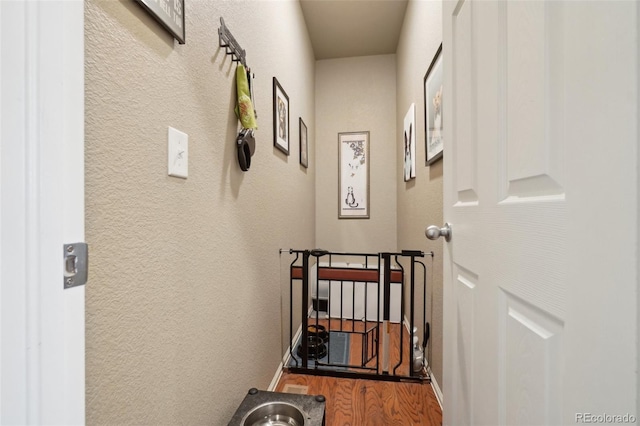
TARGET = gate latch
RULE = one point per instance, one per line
(76, 263)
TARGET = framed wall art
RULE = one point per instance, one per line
(169, 13)
(353, 175)
(433, 109)
(409, 144)
(280, 117)
(304, 144)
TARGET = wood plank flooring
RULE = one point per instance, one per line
(359, 402)
(396, 357)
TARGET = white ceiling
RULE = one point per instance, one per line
(344, 28)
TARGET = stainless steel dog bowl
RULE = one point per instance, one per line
(276, 408)
(274, 414)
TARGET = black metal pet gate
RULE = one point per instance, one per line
(359, 297)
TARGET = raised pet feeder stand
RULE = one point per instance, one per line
(275, 408)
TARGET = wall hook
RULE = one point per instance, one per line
(231, 46)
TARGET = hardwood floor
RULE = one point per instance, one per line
(397, 360)
(370, 403)
(360, 402)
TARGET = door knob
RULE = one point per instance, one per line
(433, 232)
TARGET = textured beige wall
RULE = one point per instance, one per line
(183, 301)
(356, 94)
(420, 200)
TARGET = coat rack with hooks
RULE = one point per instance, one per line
(232, 47)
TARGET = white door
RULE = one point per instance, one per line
(541, 191)
(41, 208)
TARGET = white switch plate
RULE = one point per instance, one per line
(178, 150)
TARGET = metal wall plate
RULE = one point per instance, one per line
(76, 264)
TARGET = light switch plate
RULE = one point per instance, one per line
(178, 158)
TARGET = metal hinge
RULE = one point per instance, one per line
(76, 263)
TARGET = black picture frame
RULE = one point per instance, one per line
(433, 113)
(170, 16)
(353, 175)
(304, 144)
(281, 112)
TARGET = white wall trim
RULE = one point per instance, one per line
(436, 388)
(286, 357)
(276, 378)
(407, 325)
(42, 202)
(285, 361)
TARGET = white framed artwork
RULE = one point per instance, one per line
(409, 143)
(353, 175)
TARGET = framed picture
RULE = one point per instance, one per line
(409, 137)
(353, 175)
(433, 109)
(304, 144)
(280, 117)
(169, 13)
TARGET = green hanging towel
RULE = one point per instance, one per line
(244, 107)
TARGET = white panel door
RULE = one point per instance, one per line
(541, 191)
(41, 208)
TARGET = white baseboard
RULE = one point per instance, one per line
(286, 358)
(276, 378)
(436, 388)
(406, 324)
